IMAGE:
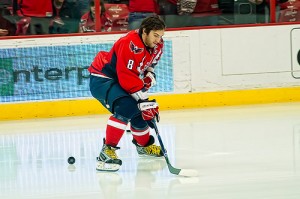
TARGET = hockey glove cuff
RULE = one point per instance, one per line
(149, 109)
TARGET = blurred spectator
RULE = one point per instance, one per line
(207, 6)
(186, 7)
(6, 22)
(139, 10)
(87, 22)
(23, 25)
(263, 10)
(260, 10)
(168, 7)
(27, 17)
(35, 16)
(190, 13)
(66, 16)
(117, 15)
(34, 8)
(206, 12)
(84, 6)
(66, 9)
(57, 5)
(289, 11)
(3, 32)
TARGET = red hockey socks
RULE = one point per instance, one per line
(141, 136)
(114, 131)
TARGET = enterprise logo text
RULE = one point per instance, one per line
(52, 74)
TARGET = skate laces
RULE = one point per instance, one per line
(111, 152)
(152, 149)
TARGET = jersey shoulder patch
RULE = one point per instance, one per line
(134, 48)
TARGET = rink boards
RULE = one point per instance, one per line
(48, 77)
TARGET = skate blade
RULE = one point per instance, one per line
(102, 166)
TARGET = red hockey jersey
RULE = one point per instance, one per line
(127, 61)
(144, 6)
(34, 8)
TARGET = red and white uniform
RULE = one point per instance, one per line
(87, 23)
(127, 61)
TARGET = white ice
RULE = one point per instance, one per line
(240, 152)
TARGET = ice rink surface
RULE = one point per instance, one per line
(241, 152)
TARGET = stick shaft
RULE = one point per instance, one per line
(171, 168)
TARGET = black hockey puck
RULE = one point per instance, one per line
(71, 160)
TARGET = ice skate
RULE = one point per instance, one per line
(149, 150)
(108, 159)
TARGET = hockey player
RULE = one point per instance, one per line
(120, 80)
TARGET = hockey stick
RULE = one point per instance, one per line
(173, 170)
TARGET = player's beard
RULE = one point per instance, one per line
(148, 42)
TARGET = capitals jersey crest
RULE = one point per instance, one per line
(135, 48)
